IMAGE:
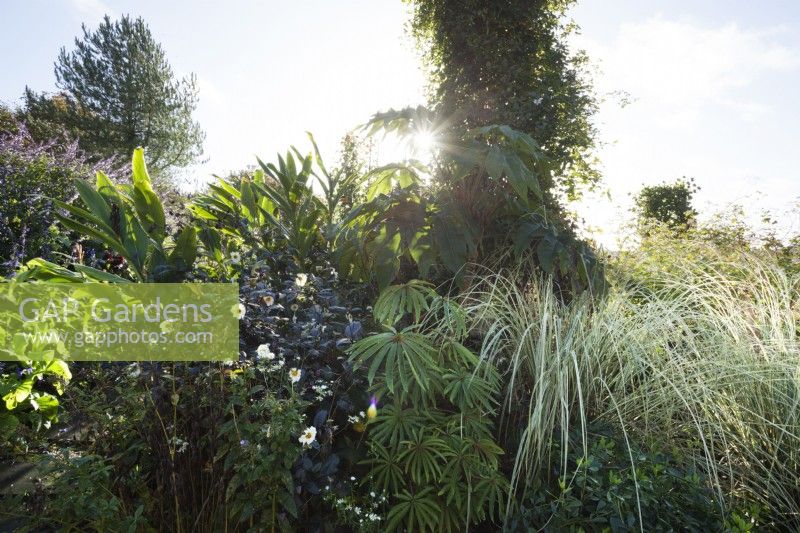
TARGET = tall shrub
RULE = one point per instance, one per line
(31, 175)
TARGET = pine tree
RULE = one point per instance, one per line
(118, 92)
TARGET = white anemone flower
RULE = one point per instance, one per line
(301, 279)
(294, 374)
(235, 257)
(308, 436)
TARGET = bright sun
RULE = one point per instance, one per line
(423, 142)
(421, 146)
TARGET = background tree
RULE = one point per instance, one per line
(509, 63)
(118, 92)
(669, 204)
(509, 122)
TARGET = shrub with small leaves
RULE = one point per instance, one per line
(616, 487)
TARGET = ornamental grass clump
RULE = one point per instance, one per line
(703, 358)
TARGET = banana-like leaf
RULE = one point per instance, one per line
(148, 206)
(185, 247)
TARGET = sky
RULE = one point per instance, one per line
(709, 86)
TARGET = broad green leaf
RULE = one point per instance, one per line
(89, 231)
(148, 205)
(41, 270)
(185, 246)
(98, 275)
(93, 200)
(389, 176)
(106, 188)
(526, 232)
(8, 425)
(546, 251)
(59, 368)
(398, 300)
(19, 394)
(83, 216)
(249, 201)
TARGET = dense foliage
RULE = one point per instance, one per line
(509, 63)
(484, 204)
(431, 447)
(669, 204)
(611, 483)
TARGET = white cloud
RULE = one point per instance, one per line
(676, 66)
(94, 9)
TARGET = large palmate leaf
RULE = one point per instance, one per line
(386, 468)
(511, 155)
(384, 179)
(424, 455)
(467, 390)
(404, 122)
(385, 229)
(454, 237)
(415, 511)
(406, 358)
(398, 300)
(396, 424)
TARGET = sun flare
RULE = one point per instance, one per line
(423, 143)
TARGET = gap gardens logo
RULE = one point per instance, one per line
(119, 322)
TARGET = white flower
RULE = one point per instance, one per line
(294, 307)
(301, 279)
(241, 311)
(134, 370)
(308, 436)
(294, 374)
(235, 257)
(263, 352)
(269, 300)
